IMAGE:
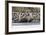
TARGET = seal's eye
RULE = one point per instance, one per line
(28, 14)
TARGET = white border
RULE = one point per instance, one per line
(25, 28)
